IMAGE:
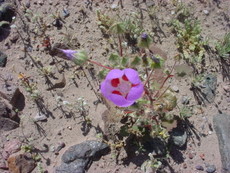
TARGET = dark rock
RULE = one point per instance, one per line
(10, 91)
(8, 118)
(77, 166)
(84, 150)
(221, 126)
(3, 59)
(6, 12)
(21, 163)
(210, 168)
(7, 124)
(6, 110)
(178, 137)
(77, 157)
(199, 167)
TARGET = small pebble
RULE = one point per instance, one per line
(52, 148)
(206, 12)
(199, 167)
(65, 13)
(185, 166)
(210, 168)
(27, 4)
(40, 2)
(59, 147)
(113, 6)
(185, 100)
(191, 155)
(40, 117)
(175, 88)
(69, 127)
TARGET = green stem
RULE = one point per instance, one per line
(99, 64)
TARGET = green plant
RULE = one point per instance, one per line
(185, 112)
(30, 87)
(27, 148)
(189, 41)
(151, 165)
(223, 47)
(104, 21)
(40, 26)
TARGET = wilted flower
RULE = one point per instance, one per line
(122, 87)
(78, 57)
(144, 41)
(69, 53)
(144, 35)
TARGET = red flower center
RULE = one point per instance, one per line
(122, 85)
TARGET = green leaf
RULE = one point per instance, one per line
(124, 131)
(136, 61)
(157, 62)
(124, 61)
(144, 43)
(117, 28)
(102, 73)
(114, 58)
(192, 47)
(186, 54)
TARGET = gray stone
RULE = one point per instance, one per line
(77, 157)
(40, 117)
(185, 100)
(10, 91)
(206, 12)
(83, 150)
(221, 126)
(210, 168)
(7, 124)
(175, 88)
(179, 137)
(3, 59)
(77, 166)
(199, 167)
(209, 88)
(8, 118)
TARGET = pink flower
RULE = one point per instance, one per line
(122, 87)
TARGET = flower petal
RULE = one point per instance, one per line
(106, 88)
(115, 73)
(132, 75)
(69, 53)
(135, 92)
(120, 100)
